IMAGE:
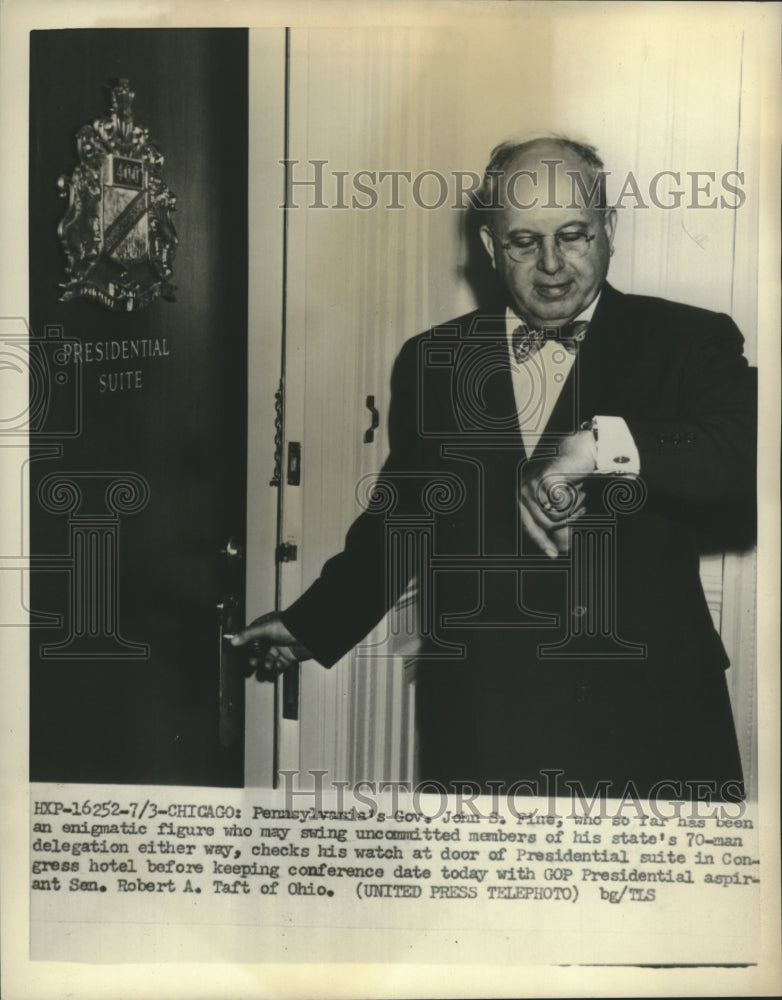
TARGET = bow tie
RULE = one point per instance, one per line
(527, 342)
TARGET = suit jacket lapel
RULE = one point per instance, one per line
(581, 394)
(588, 389)
(488, 387)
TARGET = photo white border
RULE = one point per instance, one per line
(40, 980)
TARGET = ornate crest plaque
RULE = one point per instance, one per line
(117, 232)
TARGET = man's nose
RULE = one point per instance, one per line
(549, 258)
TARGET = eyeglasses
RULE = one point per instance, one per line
(571, 243)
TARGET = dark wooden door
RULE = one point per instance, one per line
(138, 451)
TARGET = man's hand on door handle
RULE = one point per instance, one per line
(270, 646)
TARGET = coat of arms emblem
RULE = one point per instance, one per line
(117, 232)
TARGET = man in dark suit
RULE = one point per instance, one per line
(556, 461)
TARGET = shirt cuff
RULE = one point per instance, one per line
(617, 454)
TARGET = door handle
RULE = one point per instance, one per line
(369, 433)
(231, 550)
(229, 674)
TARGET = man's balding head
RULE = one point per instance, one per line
(581, 162)
(546, 226)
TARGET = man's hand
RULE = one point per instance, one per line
(272, 648)
(551, 496)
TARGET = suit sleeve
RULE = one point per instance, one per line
(704, 450)
(355, 587)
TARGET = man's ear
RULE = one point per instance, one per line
(487, 239)
(609, 224)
